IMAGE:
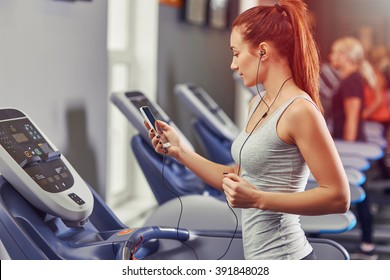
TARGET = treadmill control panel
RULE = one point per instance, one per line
(36, 157)
(205, 100)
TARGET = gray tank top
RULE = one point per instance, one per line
(274, 166)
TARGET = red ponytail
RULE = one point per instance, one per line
(286, 26)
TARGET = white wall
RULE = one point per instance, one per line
(53, 67)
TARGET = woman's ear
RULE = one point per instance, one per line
(263, 49)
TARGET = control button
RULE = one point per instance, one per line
(76, 198)
(42, 182)
(45, 147)
(53, 155)
(30, 161)
(27, 153)
(39, 176)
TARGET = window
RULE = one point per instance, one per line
(129, 47)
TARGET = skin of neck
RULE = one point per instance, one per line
(276, 74)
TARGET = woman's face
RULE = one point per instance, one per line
(244, 62)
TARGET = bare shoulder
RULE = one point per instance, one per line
(253, 100)
(302, 109)
(301, 118)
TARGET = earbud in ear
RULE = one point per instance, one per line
(262, 52)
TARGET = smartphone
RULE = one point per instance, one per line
(150, 119)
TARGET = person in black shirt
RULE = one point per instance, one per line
(347, 56)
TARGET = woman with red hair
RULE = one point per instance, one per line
(285, 137)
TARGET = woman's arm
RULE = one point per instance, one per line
(352, 107)
(208, 171)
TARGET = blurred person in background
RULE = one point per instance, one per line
(376, 98)
(348, 58)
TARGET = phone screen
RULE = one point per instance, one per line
(149, 117)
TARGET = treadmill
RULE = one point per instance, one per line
(47, 211)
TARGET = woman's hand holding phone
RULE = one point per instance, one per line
(156, 134)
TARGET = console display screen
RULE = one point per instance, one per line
(20, 137)
(23, 142)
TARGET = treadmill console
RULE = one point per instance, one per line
(199, 102)
(38, 170)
